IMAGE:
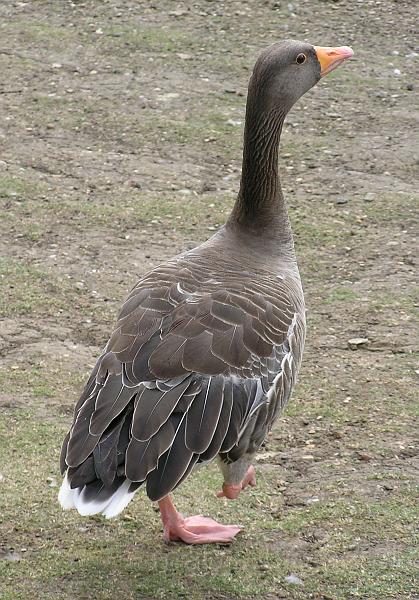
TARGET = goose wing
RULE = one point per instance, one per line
(202, 364)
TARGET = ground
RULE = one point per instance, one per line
(121, 130)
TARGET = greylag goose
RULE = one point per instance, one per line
(206, 349)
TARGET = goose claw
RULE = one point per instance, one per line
(231, 491)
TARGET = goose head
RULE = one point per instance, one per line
(288, 69)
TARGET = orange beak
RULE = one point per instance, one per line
(330, 58)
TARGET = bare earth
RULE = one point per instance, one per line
(120, 132)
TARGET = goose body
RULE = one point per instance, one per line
(206, 349)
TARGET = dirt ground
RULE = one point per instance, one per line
(120, 144)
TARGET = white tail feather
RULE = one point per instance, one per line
(111, 507)
(66, 495)
(119, 500)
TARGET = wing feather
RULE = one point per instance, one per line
(142, 457)
(203, 415)
(153, 408)
(171, 466)
(222, 424)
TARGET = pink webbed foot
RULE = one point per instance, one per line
(231, 491)
(200, 530)
(193, 530)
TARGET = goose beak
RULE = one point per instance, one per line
(330, 58)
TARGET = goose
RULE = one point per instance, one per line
(207, 347)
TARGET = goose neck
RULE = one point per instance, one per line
(260, 203)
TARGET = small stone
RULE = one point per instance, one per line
(234, 122)
(143, 102)
(10, 555)
(293, 579)
(388, 487)
(364, 456)
(184, 56)
(341, 201)
(179, 12)
(52, 482)
(207, 187)
(409, 87)
(264, 567)
(167, 97)
(355, 343)
(369, 197)
(231, 91)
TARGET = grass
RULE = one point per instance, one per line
(16, 188)
(148, 39)
(342, 294)
(30, 291)
(41, 380)
(27, 290)
(128, 210)
(62, 545)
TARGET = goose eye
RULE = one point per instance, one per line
(301, 58)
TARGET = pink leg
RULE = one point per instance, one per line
(193, 530)
(231, 490)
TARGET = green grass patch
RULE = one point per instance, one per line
(27, 290)
(42, 32)
(15, 188)
(43, 380)
(391, 208)
(341, 294)
(129, 210)
(128, 556)
(147, 38)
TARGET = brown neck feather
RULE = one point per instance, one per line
(260, 205)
